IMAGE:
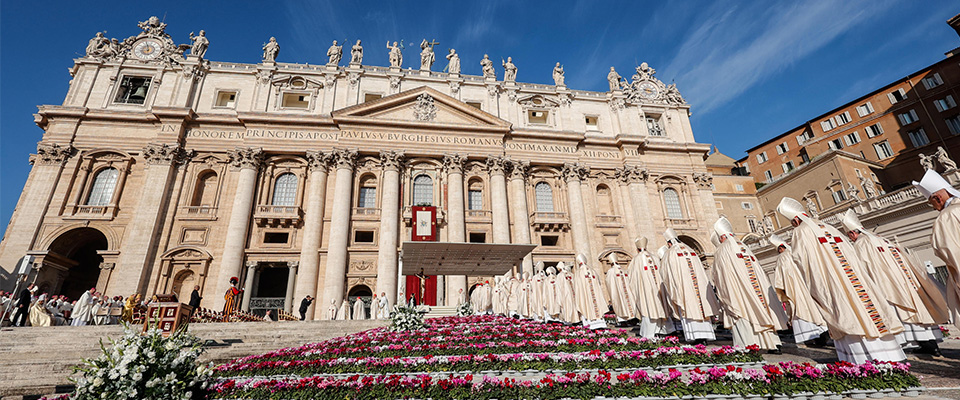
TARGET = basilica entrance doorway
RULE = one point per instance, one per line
(362, 293)
(269, 288)
(72, 263)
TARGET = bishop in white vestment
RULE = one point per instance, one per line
(805, 317)
(622, 297)
(946, 233)
(647, 285)
(551, 302)
(688, 289)
(588, 290)
(536, 293)
(566, 295)
(860, 321)
(344, 312)
(83, 309)
(359, 312)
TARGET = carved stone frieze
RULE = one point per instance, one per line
(391, 159)
(245, 157)
(52, 153)
(425, 109)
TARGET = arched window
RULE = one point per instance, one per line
(544, 196)
(422, 189)
(475, 195)
(367, 196)
(285, 190)
(205, 193)
(604, 200)
(672, 201)
(104, 184)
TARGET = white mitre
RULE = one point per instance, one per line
(561, 266)
(791, 208)
(613, 258)
(778, 241)
(714, 239)
(661, 251)
(539, 267)
(932, 182)
(670, 235)
(582, 260)
(641, 243)
(723, 227)
(850, 221)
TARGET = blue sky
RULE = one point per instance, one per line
(750, 69)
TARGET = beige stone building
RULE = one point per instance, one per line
(735, 193)
(163, 170)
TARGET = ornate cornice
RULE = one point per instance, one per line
(318, 160)
(453, 163)
(52, 153)
(164, 154)
(345, 158)
(498, 165)
(520, 170)
(574, 172)
(391, 159)
(246, 157)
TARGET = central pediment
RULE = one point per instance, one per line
(422, 107)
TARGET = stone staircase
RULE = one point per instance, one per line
(441, 311)
(38, 360)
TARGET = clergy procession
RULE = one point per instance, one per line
(872, 298)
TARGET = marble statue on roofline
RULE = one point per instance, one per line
(944, 159)
(558, 72)
(509, 70)
(396, 56)
(335, 52)
(453, 66)
(487, 65)
(427, 56)
(927, 162)
(613, 79)
(271, 50)
(356, 53)
(200, 44)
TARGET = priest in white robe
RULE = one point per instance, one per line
(943, 197)
(647, 285)
(589, 295)
(861, 323)
(343, 314)
(359, 311)
(551, 302)
(384, 306)
(83, 309)
(523, 308)
(742, 289)
(374, 307)
(622, 296)
(536, 293)
(513, 294)
(499, 298)
(688, 289)
(898, 279)
(805, 317)
(566, 295)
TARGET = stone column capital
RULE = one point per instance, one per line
(164, 154)
(293, 264)
(318, 160)
(52, 154)
(574, 172)
(703, 179)
(245, 157)
(453, 163)
(631, 174)
(498, 165)
(520, 170)
(391, 160)
(345, 158)
(252, 264)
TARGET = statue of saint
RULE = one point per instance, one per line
(453, 66)
(672, 95)
(93, 47)
(558, 75)
(852, 192)
(509, 70)
(426, 54)
(644, 72)
(868, 189)
(200, 44)
(356, 53)
(271, 50)
(613, 79)
(335, 52)
(487, 65)
(396, 57)
(926, 162)
(944, 159)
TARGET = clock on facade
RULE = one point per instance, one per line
(147, 49)
(648, 90)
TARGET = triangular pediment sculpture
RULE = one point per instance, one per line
(421, 106)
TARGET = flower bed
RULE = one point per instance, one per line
(772, 379)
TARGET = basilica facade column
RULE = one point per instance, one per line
(456, 227)
(389, 224)
(247, 160)
(573, 174)
(309, 267)
(334, 277)
(641, 201)
(625, 176)
(497, 167)
(248, 285)
(291, 281)
(521, 222)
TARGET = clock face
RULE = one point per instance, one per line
(146, 49)
(648, 90)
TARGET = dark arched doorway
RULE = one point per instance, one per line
(72, 263)
(362, 293)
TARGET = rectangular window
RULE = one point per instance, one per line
(907, 118)
(475, 200)
(897, 96)
(537, 117)
(363, 236)
(874, 130)
(864, 109)
(546, 240)
(591, 121)
(762, 157)
(276, 237)
(474, 104)
(367, 197)
(753, 224)
(295, 100)
(739, 187)
(787, 167)
(133, 90)
(782, 148)
(227, 99)
(746, 206)
(839, 196)
(918, 137)
(653, 127)
(804, 158)
(843, 118)
(478, 237)
(945, 103)
(852, 138)
(835, 144)
(932, 81)
(768, 175)
(883, 150)
(805, 137)
(373, 96)
(828, 124)
(953, 123)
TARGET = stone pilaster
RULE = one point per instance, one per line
(245, 160)
(456, 226)
(309, 266)
(335, 276)
(248, 285)
(521, 224)
(389, 224)
(573, 174)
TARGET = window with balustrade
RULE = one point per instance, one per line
(544, 197)
(285, 190)
(367, 195)
(422, 190)
(671, 201)
(475, 195)
(104, 183)
(205, 191)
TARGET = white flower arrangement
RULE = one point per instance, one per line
(147, 366)
(406, 318)
(464, 309)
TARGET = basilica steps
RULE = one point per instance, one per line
(37, 359)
